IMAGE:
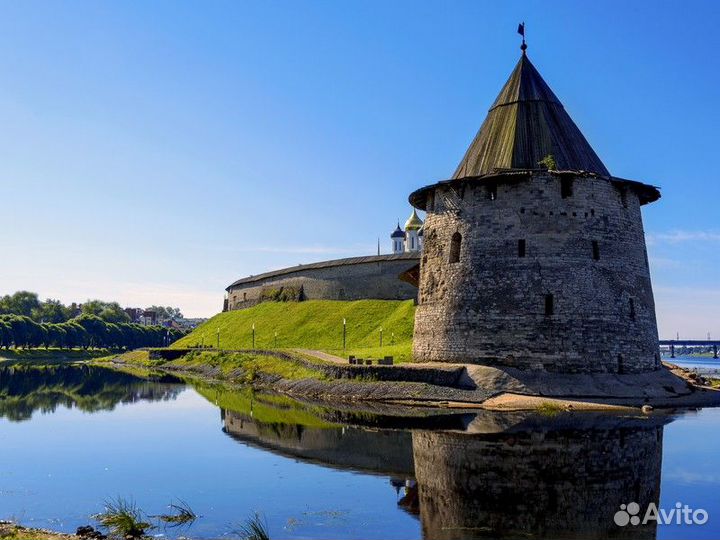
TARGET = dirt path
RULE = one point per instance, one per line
(322, 356)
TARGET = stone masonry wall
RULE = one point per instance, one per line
(370, 280)
(490, 306)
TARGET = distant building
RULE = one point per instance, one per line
(135, 314)
(149, 317)
(409, 240)
(188, 324)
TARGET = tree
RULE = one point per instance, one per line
(20, 303)
(107, 311)
(6, 336)
(24, 332)
(51, 311)
(166, 313)
(56, 335)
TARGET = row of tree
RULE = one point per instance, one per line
(28, 304)
(86, 331)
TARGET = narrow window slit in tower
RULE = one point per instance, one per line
(621, 363)
(623, 197)
(492, 191)
(632, 309)
(549, 305)
(455, 247)
(566, 187)
(521, 248)
(596, 250)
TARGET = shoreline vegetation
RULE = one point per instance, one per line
(296, 348)
(124, 520)
(447, 386)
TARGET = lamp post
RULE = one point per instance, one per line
(253, 336)
(218, 338)
(276, 340)
(381, 336)
(392, 338)
(344, 332)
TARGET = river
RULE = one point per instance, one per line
(72, 437)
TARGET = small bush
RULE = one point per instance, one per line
(183, 514)
(123, 519)
(548, 162)
(255, 528)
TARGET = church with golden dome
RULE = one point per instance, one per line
(410, 239)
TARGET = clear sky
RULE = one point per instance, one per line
(153, 152)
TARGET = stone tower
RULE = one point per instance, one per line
(534, 254)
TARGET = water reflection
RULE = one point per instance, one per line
(552, 479)
(26, 389)
(500, 475)
(468, 475)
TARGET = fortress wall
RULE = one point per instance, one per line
(489, 307)
(383, 451)
(545, 484)
(356, 281)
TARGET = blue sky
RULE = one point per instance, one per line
(153, 152)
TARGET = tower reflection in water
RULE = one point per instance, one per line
(489, 475)
(550, 481)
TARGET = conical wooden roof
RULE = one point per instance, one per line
(526, 123)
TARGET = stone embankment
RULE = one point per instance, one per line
(465, 386)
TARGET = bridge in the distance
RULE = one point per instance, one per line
(672, 343)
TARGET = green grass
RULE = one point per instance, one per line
(549, 408)
(12, 531)
(138, 358)
(249, 363)
(49, 356)
(254, 528)
(265, 408)
(314, 324)
(229, 363)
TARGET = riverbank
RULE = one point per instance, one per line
(457, 386)
(49, 356)
(12, 531)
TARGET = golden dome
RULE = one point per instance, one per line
(414, 222)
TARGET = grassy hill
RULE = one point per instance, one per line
(314, 324)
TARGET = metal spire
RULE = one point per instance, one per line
(521, 31)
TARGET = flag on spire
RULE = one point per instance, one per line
(521, 29)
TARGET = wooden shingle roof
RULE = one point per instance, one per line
(526, 123)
